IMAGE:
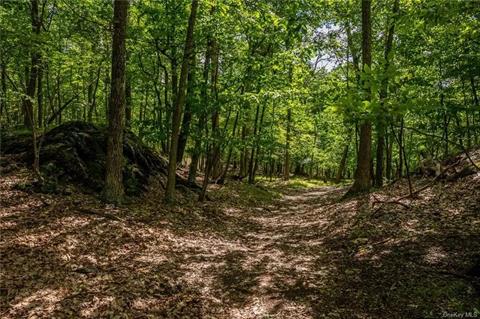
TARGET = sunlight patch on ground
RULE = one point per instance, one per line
(435, 255)
(145, 304)
(155, 259)
(92, 308)
(41, 303)
(269, 308)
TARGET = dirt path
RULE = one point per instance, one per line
(277, 268)
(305, 255)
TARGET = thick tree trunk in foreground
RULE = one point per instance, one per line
(363, 181)
(113, 192)
(179, 102)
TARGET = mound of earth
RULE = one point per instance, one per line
(75, 152)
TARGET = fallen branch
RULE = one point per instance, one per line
(385, 202)
(394, 202)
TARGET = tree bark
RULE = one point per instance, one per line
(128, 102)
(113, 192)
(179, 103)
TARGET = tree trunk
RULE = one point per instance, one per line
(29, 117)
(230, 150)
(214, 152)
(93, 101)
(400, 148)
(192, 172)
(343, 162)
(467, 117)
(286, 164)
(474, 91)
(362, 180)
(202, 121)
(446, 122)
(383, 97)
(40, 113)
(253, 151)
(116, 121)
(187, 116)
(257, 143)
(3, 97)
(388, 164)
(178, 109)
(380, 152)
(243, 154)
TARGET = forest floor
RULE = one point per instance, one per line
(277, 250)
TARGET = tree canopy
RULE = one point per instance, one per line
(275, 87)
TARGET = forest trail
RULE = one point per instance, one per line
(279, 268)
(305, 254)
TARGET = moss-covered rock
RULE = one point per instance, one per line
(75, 153)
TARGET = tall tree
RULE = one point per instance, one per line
(116, 116)
(363, 180)
(32, 76)
(381, 119)
(179, 103)
(213, 149)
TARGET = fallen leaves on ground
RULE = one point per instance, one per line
(304, 254)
